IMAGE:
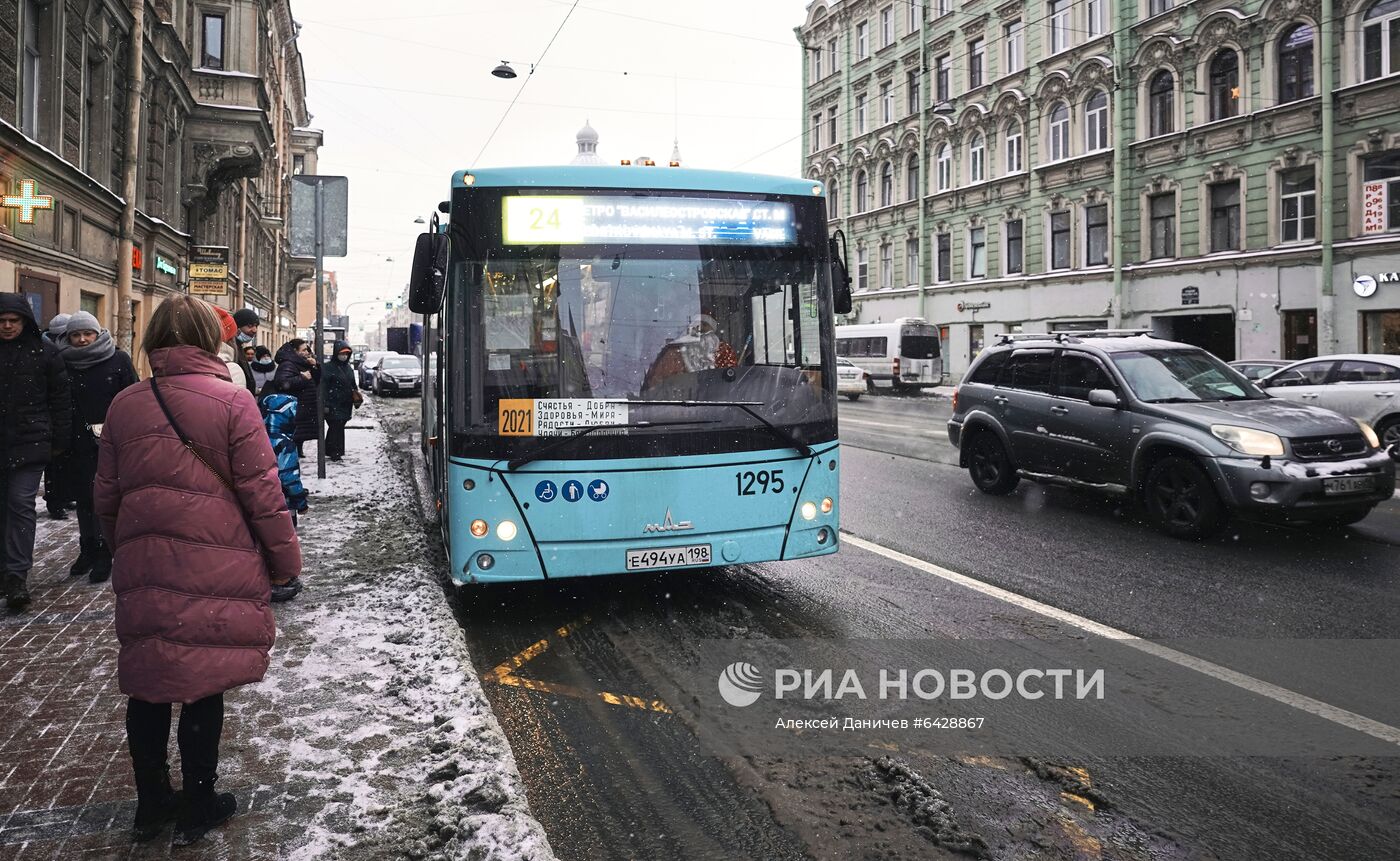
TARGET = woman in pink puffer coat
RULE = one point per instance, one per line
(197, 547)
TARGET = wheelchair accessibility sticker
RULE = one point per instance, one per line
(546, 491)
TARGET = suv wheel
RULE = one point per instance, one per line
(1180, 500)
(1389, 433)
(990, 466)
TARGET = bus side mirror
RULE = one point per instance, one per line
(429, 275)
(840, 277)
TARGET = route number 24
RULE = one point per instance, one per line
(755, 483)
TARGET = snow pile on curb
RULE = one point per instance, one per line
(393, 736)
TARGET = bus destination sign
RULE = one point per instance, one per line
(599, 219)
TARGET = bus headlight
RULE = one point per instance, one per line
(827, 505)
(505, 530)
(809, 511)
(479, 528)
(484, 561)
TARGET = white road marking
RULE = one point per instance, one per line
(1328, 712)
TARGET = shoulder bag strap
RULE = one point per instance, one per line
(189, 445)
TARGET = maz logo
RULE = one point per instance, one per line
(668, 525)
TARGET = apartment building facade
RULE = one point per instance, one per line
(1031, 166)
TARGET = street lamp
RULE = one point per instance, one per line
(419, 220)
(504, 70)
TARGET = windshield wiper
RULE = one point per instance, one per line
(583, 432)
(746, 406)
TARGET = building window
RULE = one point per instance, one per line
(886, 265)
(1225, 216)
(1015, 247)
(91, 117)
(816, 132)
(862, 41)
(213, 42)
(911, 178)
(31, 70)
(860, 114)
(1059, 25)
(1094, 17)
(1159, 7)
(1096, 235)
(1096, 122)
(816, 63)
(1014, 42)
(831, 54)
(833, 199)
(911, 262)
(976, 63)
(943, 78)
(1015, 148)
(916, 15)
(1059, 240)
(1381, 195)
(977, 158)
(1295, 64)
(1059, 132)
(831, 124)
(862, 269)
(886, 103)
(862, 191)
(944, 162)
(298, 165)
(886, 26)
(1297, 205)
(944, 268)
(977, 252)
(1161, 104)
(945, 7)
(1380, 35)
(1162, 212)
(911, 91)
(1224, 85)
(887, 184)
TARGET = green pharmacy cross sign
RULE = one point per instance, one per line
(27, 201)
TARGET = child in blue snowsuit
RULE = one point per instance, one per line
(280, 419)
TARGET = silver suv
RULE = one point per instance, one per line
(1164, 423)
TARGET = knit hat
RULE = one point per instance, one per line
(58, 325)
(80, 321)
(245, 317)
(226, 322)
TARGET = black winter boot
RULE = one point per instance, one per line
(81, 565)
(156, 805)
(101, 568)
(16, 592)
(202, 810)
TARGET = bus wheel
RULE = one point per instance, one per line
(990, 466)
(855, 396)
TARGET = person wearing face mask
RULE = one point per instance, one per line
(97, 371)
(264, 369)
(246, 319)
(341, 396)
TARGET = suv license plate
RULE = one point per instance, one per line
(1348, 484)
(668, 557)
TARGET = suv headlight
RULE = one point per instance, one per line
(1249, 440)
(1370, 434)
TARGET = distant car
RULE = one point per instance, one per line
(1258, 369)
(851, 381)
(367, 365)
(1363, 386)
(1165, 424)
(396, 374)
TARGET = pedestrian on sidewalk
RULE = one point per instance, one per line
(280, 419)
(264, 369)
(341, 397)
(58, 490)
(189, 502)
(299, 375)
(232, 357)
(97, 371)
(35, 416)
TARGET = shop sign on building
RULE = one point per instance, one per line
(1375, 198)
(1190, 295)
(209, 270)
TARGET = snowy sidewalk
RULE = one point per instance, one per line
(369, 737)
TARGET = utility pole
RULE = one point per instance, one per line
(1326, 330)
(320, 326)
(126, 231)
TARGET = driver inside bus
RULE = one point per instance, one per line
(701, 348)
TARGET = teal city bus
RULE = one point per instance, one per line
(629, 368)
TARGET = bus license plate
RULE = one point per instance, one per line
(668, 557)
(1348, 484)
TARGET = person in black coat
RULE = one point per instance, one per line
(299, 375)
(97, 370)
(35, 424)
(340, 395)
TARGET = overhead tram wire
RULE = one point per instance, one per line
(1244, 46)
(525, 83)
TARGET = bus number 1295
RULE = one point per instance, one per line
(755, 483)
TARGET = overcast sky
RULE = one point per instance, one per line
(406, 98)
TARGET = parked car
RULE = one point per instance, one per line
(851, 381)
(397, 374)
(1258, 369)
(1166, 424)
(1366, 387)
(367, 365)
